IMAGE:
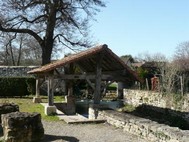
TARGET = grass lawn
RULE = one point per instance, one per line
(26, 105)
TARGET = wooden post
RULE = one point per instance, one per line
(50, 91)
(181, 85)
(37, 88)
(98, 80)
(37, 98)
(147, 85)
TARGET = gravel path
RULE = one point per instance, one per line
(61, 132)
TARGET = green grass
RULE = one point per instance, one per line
(127, 108)
(26, 105)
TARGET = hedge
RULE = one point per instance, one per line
(16, 86)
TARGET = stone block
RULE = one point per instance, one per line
(70, 108)
(49, 110)
(37, 100)
(8, 108)
(22, 127)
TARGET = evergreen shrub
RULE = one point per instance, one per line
(16, 86)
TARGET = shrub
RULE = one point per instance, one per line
(15, 86)
(31, 83)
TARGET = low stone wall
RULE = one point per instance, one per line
(15, 71)
(145, 128)
(139, 97)
(22, 127)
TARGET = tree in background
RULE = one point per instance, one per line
(50, 22)
(16, 50)
(181, 59)
(147, 57)
(158, 65)
(181, 56)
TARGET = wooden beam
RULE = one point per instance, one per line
(82, 76)
(90, 83)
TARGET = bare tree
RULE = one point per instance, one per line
(50, 21)
(17, 49)
(181, 56)
(147, 57)
(168, 77)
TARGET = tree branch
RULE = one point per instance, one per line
(34, 20)
(27, 31)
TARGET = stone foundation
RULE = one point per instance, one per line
(145, 128)
(94, 110)
(22, 127)
(13, 71)
(37, 100)
(49, 110)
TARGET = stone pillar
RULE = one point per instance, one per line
(70, 105)
(37, 98)
(50, 108)
(94, 110)
(120, 87)
(22, 127)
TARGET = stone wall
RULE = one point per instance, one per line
(139, 97)
(145, 128)
(15, 71)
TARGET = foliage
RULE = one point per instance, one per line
(127, 58)
(31, 85)
(143, 73)
(16, 86)
(127, 108)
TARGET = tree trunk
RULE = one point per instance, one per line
(48, 41)
(19, 52)
(46, 54)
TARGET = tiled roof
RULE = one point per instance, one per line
(87, 61)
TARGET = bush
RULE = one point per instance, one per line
(31, 85)
(15, 86)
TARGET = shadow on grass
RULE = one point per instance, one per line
(50, 138)
(163, 115)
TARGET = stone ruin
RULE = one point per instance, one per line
(20, 126)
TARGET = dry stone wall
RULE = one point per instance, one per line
(15, 71)
(145, 128)
(139, 97)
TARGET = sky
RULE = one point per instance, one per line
(133, 27)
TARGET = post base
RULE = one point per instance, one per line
(49, 110)
(94, 110)
(37, 100)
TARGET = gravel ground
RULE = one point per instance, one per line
(61, 132)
